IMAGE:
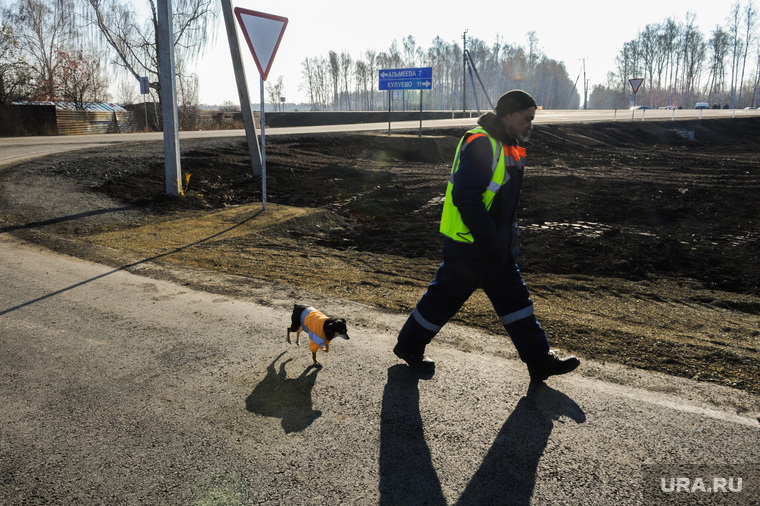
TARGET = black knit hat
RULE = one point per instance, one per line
(514, 101)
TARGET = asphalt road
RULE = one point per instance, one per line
(16, 149)
(120, 388)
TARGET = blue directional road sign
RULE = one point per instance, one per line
(406, 79)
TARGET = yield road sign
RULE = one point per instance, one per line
(406, 79)
(263, 33)
(635, 84)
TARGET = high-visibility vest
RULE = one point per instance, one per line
(452, 225)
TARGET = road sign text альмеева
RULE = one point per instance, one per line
(406, 79)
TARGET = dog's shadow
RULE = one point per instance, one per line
(289, 399)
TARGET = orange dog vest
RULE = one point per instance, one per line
(313, 322)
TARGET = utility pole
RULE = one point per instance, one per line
(464, 74)
(168, 81)
(585, 86)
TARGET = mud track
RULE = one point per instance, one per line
(639, 245)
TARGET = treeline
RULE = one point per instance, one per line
(681, 66)
(71, 50)
(42, 57)
(345, 82)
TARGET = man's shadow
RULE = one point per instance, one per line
(278, 396)
(407, 475)
(508, 472)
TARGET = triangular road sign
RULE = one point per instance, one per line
(635, 84)
(263, 33)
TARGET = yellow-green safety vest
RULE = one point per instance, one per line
(452, 225)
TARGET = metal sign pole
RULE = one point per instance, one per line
(263, 151)
(389, 111)
(420, 113)
(144, 90)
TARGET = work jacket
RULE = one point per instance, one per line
(479, 219)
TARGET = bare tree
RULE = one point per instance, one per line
(671, 32)
(346, 63)
(42, 30)
(79, 79)
(126, 92)
(412, 54)
(749, 37)
(229, 106)
(694, 49)
(275, 91)
(736, 42)
(317, 82)
(627, 64)
(370, 59)
(648, 45)
(362, 78)
(756, 87)
(134, 41)
(13, 71)
(719, 47)
(308, 80)
(535, 55)
(335, 75)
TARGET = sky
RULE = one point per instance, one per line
(569, 32)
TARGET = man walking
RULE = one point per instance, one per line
(480, 243)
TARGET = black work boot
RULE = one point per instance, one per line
(551, 365)
(417, 361)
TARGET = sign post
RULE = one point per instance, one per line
(405, 79)
(144, 90)
(635, 85)
(263, 33)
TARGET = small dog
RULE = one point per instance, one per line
(320, 328)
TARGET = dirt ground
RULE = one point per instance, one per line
(639, 245)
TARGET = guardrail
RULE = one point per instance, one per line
(680, 114)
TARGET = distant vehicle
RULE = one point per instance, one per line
(639, 108)
(702, 105)
(750, 108)
(668, 108)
